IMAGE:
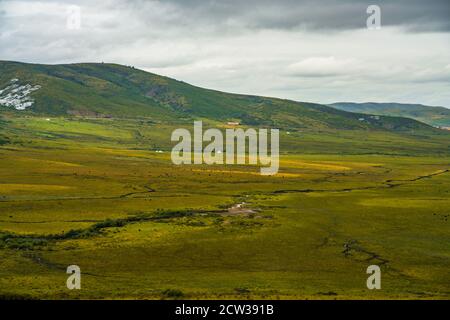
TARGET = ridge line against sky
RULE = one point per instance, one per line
(290, 49)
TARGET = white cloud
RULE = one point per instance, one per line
(323, 67)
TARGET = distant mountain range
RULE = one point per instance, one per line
(436, 116)
(111, 90)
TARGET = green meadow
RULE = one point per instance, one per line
(96, 193)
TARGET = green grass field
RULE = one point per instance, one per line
(93, 192)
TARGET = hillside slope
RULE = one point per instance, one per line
(111, 90)
(436, 116)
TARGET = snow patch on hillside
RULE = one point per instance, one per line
(17, 95)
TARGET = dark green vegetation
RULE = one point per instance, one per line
(436, 116)
(86, 189)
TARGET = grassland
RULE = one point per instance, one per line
(93, 192)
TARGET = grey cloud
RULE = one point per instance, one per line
(414, 15)
(324, 15)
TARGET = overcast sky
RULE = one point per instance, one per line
(290, 49)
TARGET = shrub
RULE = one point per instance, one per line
(173, 293)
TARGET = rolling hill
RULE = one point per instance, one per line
(86, 178)
(116, 91)
(436, 116)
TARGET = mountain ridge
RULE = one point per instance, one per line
(113, 90)
(432, 115)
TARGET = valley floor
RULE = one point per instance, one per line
(141, 228)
